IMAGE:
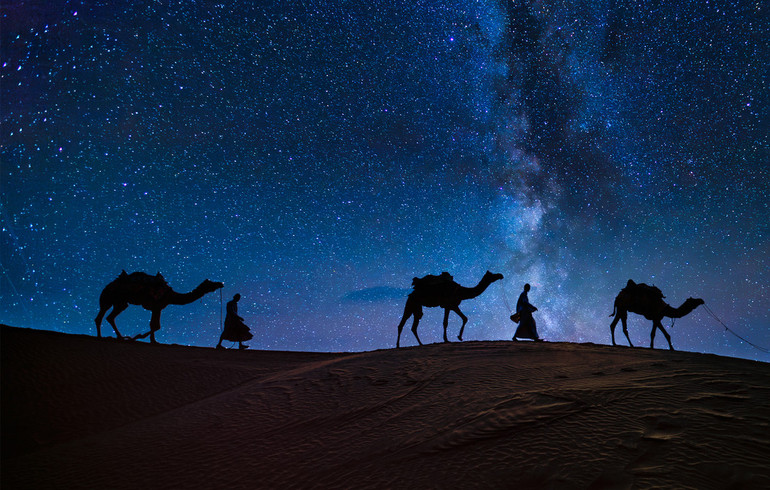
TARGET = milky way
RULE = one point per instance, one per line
(316, 156)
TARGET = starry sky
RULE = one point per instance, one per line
(315, 156)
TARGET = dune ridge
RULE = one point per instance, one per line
(78, 412)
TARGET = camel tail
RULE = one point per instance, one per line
(614, 309)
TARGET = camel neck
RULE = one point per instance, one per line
(175, 298)
(469, 293)
(684, 309)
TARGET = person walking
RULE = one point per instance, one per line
(235, 330)
(527, 328)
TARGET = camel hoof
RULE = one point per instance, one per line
(459, 337)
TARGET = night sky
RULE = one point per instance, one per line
(315, 156)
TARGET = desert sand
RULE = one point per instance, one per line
(80, 412)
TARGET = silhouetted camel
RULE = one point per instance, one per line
(647, 301)
(151, 292)
(442, 291)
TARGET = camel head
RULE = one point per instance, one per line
(695, 302)
(491, 277)
(685, 309)
(211, 286)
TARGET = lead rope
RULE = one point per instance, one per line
(728, 329)
(505, 299)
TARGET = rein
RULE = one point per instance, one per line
(505, 298)
(708, 310)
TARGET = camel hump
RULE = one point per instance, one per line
(143, 278)
(432, 280)
(645, 289)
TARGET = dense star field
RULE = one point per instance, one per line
(316, 155)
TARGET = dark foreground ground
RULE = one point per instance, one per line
(79, 412)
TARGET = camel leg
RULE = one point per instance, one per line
(407, 314)
(668, 338)
(98, 320)
(116, 310)
(154, 324)
(446, 323)
(657, 324)
(417, 316)
(620, 317)
(652, 334)
(623, 320)
(464, 319)
(612, 328)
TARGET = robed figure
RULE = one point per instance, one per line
(524, 309)
(235, 330)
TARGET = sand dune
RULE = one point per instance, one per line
(78, 412)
